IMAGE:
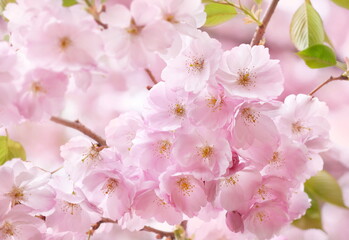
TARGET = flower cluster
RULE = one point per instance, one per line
(212, 137)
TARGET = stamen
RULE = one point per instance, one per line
(64, 43)
(36, 87)
(184, 186)
(16, 195)
(246, 78)
(110, 186)
(206, 151)
(7, 230)
(164, 147)
(298, 128)
(179, 110)
(249, 115)
(71, 208)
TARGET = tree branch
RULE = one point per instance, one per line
(341, 77)
(258, 35)
(160, 234)
(81, 128)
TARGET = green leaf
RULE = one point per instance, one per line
(318, 56)
(10, 149)
(258, 1)
(325, 187)
(69, 3)
(312, 217)
(218, 13)
(306, 27)
(342, 3)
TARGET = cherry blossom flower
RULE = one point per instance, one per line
(249, 72)
(303, 118)
(42, 93)
(26, 185)
(17, 224)
(206, 154)
(186, 192)
(195, 66)
(166, 108)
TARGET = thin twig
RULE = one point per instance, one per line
(92, 9)
(95, 226)
(341, 77)
(160, 234)
(258, 35)
(80, 127)
(151, 76)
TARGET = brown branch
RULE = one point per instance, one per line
(258, 35)
(80, 127)
(151, 76)
(160, 234)
(341, 77)
(95, 226)
(96, 14)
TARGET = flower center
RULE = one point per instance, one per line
(179, 110)
(16, 195)
(36, 87)
(7, 230)
(246, 78)
(93, 155)
(249, 115)
(64, 43)
(232, 180)
(206, 151)
(170, 18)
(71, 208)
(110, 186)
(298, 128)
(276, 160)
(196, 65)
(134, 29)
(164, 147)
(185, 186)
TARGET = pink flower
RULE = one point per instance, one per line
(234, 221)
(195, 66)
(64, 45)
(166, 109)
(42, 93)
(186, 192)
(288, 161)
(82, 156)
(205, 153)
(267, 218)
(132, 33)
(121, 131)
(303, 119)
(181, 12)
(252, 123)
(27, 185)
(111, 191)
(237, 190)
(249, 72)
(148, 204)
(73, 212)
(152, 150)
(17, 224)
(212, 108)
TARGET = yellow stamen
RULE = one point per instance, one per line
(185, 186)
(110, 186)
(65, 43)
